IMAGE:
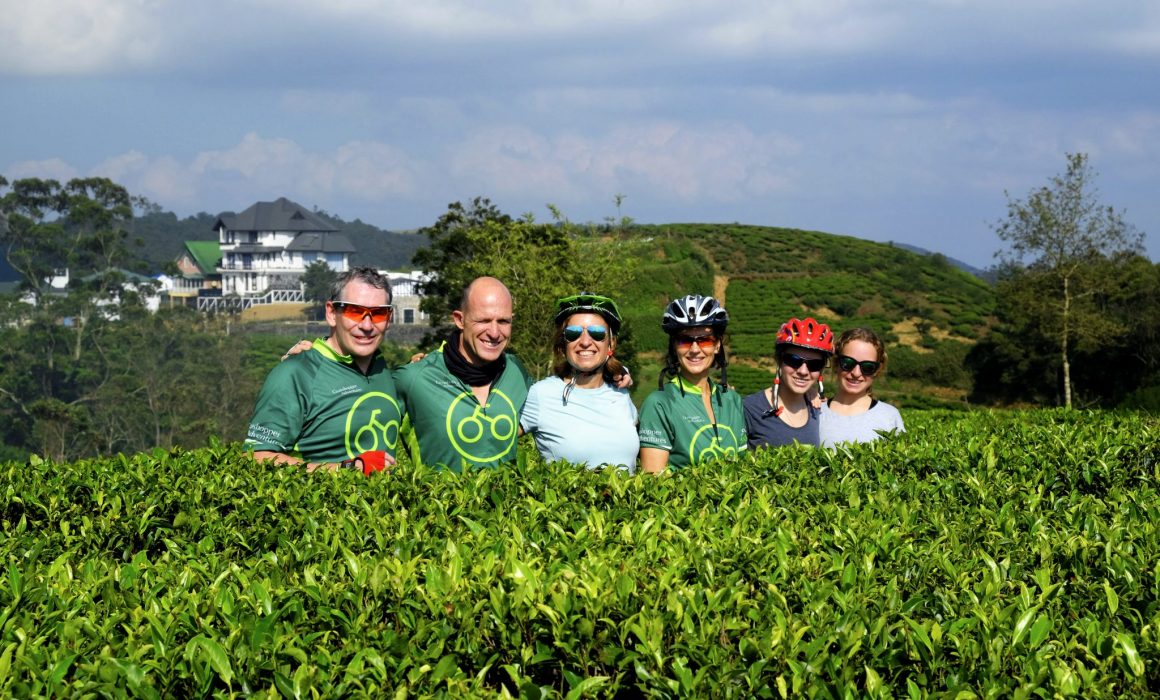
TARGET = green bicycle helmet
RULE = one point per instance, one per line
(587, 302)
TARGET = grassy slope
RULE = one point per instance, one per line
(928, 311)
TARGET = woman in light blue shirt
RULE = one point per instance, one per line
(579, 415)
(854, 415)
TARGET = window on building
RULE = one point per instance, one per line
(408, 315)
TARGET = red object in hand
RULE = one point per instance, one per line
(374, 461)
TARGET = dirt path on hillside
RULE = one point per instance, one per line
(720, 284)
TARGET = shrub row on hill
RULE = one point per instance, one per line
(980, 554)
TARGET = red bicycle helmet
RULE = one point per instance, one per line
(806, 333)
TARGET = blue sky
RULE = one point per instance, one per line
(902, 120)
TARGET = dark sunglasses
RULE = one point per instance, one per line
(357, 312)
(795, 361)
(573, 333)
(847, 364)
(705, 342)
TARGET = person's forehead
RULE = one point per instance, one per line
(361, 292)
(860, 350)
(490, 306)
(585, 318)
(697, 331)
(808, 353)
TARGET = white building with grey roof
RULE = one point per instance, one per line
(266, 248)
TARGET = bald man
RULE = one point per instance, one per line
(463, 401)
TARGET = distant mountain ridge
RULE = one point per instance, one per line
(162, 237)
(965, 267)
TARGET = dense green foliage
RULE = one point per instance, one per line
(79, 226)
(1065, 252)
(539, 263)
(1019, 361)
(981, 554)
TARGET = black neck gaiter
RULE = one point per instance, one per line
(470, 374)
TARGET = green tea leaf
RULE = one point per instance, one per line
(1130, 654)
(1112, 598)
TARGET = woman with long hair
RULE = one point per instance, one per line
(784, 413)
(579, 415)
(853, 414)
(691, 418)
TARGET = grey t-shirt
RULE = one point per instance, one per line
(863, 427)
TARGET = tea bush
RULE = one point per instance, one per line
(980, 554)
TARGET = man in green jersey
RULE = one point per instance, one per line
(335, 403)
(462, 401)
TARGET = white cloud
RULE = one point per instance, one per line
(86, 37)
(48, 169)
(496, 18)
(48, 37)
(671, 160)
(372, 171)
(256, 168)
(161, 179)
(1143, 41)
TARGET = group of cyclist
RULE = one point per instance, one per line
(334, 402)
(695, 417)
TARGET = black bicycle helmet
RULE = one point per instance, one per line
(590, 303)
(692, 311)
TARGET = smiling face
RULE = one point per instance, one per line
(854, 383)
(586, 354)
(696, 349)
(359, 339)
(486, 321)
(798, 380)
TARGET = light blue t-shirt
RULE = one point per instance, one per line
(596, 426)
(867, 426)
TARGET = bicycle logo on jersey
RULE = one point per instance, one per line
(706, 447)
(478, 437)
(372, 423)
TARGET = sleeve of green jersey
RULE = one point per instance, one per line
(280, 410)
(655, 427)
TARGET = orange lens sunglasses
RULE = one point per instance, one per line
(357, 312)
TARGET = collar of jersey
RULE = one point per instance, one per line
(689, 388)
(328, 352)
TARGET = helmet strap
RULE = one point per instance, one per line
(777, 408)
(577, 374)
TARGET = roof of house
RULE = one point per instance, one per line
(207, 255)
(127, 275)
(321, 242)
(279, 215)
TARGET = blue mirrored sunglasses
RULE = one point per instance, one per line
(573, 333)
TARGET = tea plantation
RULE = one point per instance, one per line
(929, 312)
(982, 554)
